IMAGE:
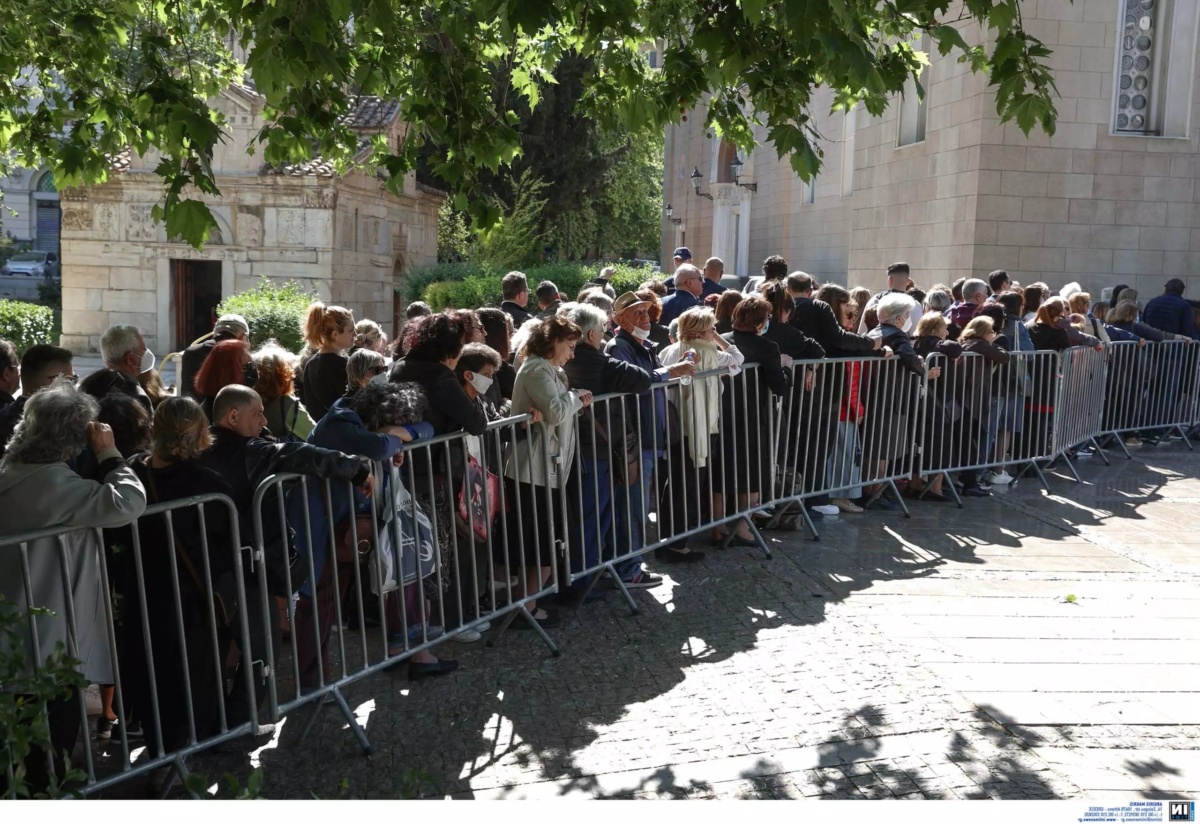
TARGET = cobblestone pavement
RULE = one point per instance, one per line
(1031, 645)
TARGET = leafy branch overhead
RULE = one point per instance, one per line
(81, 80)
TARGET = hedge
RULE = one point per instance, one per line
(274, 311)
(466, 286)
(25, 324)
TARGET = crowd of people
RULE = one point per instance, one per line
(515, 466)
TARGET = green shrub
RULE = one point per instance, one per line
(25, 324)
(273, 311)
(469, 286)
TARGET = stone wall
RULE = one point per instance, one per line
(1084, 204)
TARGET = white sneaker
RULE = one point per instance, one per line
(469, 636)
(1000, 477)
(826, 509)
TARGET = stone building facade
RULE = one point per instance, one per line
(1111, 197)
(347, 237)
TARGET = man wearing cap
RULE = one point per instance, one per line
(228, 327)
(631, 344)
(689, 286)
(681, 256)
(898, 277)
(1171, 312)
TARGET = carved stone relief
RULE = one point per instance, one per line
(77, 216)
(141, 223)
(107, 226)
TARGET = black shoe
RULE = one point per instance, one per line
(976, 492)
(885, 504)
(672, 556)
(418, 671)
(814, 515)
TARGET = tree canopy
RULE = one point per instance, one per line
(81, 80)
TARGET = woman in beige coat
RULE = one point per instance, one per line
(536, 465)
(38, 490)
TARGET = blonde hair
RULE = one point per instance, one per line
(368, 333)
(929, 323)
(1079, 302)
(322, 324)
(979, 328)
(180, 430)
(276, 371)
(696, 323)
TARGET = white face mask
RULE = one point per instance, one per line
(380, 379)
(148, 361)
(482, 383)
(640, 333)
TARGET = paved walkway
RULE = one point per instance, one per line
(1028, 646)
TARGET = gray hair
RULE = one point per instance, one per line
(600, 300)
(117, 342)
(685, 272)
(894, 308)
(973, 288)
(938, 301)
(673, 330)
(54, 425)
(584, 315)
(360, 363)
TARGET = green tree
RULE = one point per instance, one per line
(67, 99)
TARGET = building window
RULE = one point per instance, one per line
(914, 106)
(849, 127)
(810, 192)
(46, 183)
(1156, 46)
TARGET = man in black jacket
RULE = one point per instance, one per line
(514, 289)
(228, 327)
(818, 429)
(815, 318)
(244, 460)
(602, 441)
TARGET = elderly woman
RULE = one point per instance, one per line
(604, 438)
(169, 473)
(536, 466)
(38, 490)
(286, 416)
(932, 338)
(363, 367)
(747, 409)
(434, 344)
(373, 421)
(890, 394)
(691, 493)
(941, 301)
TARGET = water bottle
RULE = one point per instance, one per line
(688, 357)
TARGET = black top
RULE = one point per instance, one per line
(517, 313)
(794, 343)
(901, 347)
(450, 410)
(5, 400)
(506, 378)
(189, 364)
(815, 318)
(763, 351)
(10, 416)
(602, 374)
(660, 336)
(1046, 337)
(324, 382)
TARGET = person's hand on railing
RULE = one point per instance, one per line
(809, 376)
(1099, 347)
(681, 369)
(1141, 342)
(398, 459)
(887, 352)
(585, 397)
(535, 415)
(100, 437)
(368, 486)
(935, 373)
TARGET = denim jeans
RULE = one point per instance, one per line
(595, 486)
(843, 470)
(629, 517)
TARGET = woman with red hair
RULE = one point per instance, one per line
(228, 364)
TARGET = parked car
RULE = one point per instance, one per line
(34, 264)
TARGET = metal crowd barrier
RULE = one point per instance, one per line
(1152, 390)
(463, 531)
(169, 659)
